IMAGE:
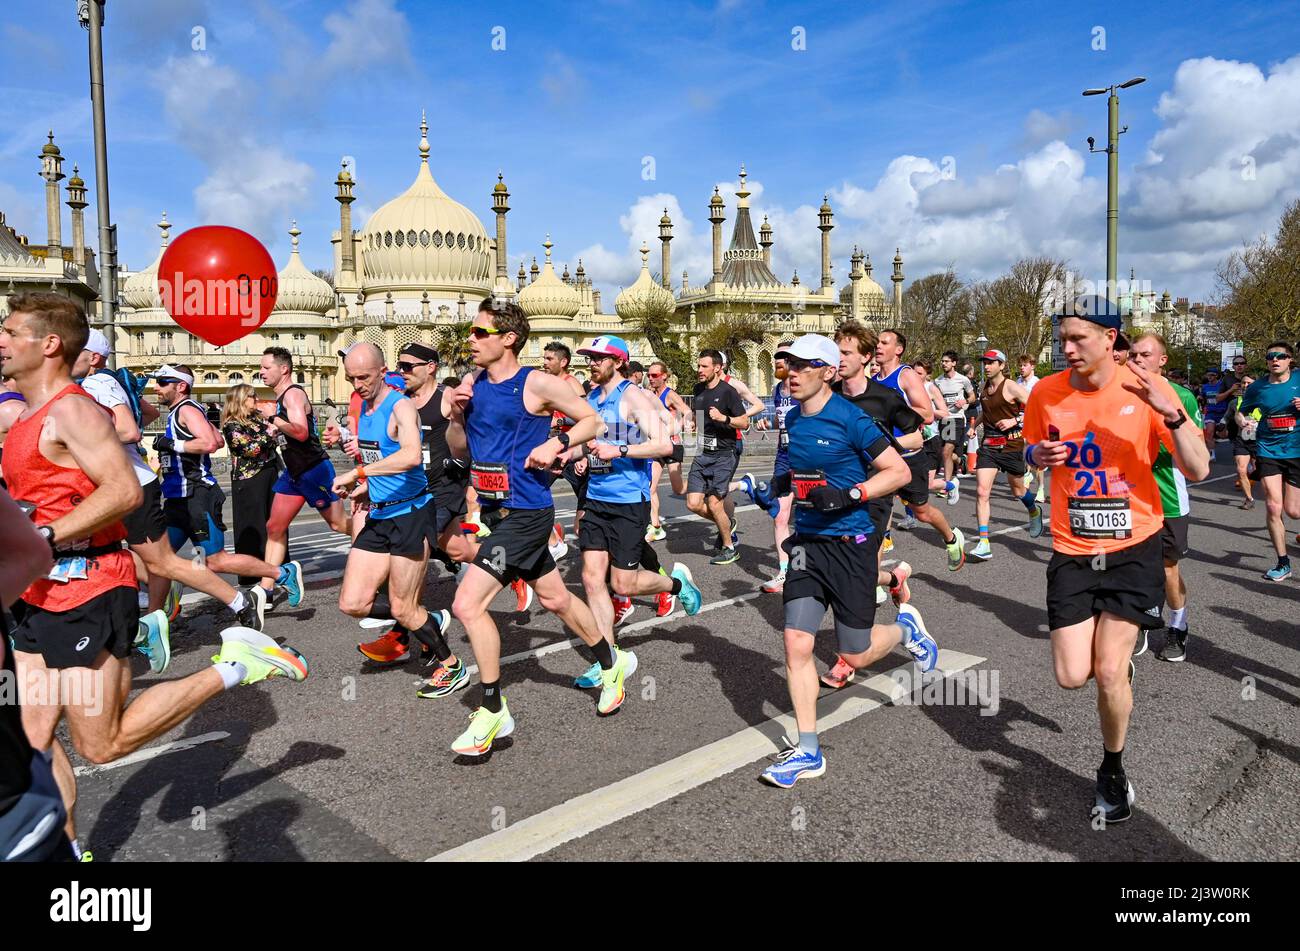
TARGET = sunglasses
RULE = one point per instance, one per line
(1277, 355)
(404, 367)
(482, 333)
(798, 365)
(655, 376)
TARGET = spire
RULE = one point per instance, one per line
(424, 138)
(645, 256)
(744, 261)
(547, 245)
(743, 193)
(164, 226)
(293, 235)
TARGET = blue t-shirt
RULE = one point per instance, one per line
(837, 444)
(1278, 435)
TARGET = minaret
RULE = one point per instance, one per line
(856, 276)
(765, 239)
(77, 202)
(580, 275)
(824, 226)
(500, 205)
(348, 264)
(666, 236)
(535, 270)
(52, 172)
(523, 278)
(717, 217)
(898, 286)
(595, 302)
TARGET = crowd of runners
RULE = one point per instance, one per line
(460, 470)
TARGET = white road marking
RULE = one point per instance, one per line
(599, 808)
(139, 756)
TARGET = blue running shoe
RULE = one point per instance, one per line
(917, 639)
(154, 640)
(1280, 573)
(291, 578)
(690, 597)
(591, 678)
(793, 764)
(1036, 522)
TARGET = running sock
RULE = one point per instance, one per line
(951, 541)
(284, 575)
(604, 653)
(381, 609)
(1284, 561)
(492, 696)
(677, 586)
(949, 486)
(907, 509)
(893, 581)
(76, 850)
(785, 565)
(984, 533)
(808, 742)
(649, 558)
(1028, 500)
(237, 605)
(430, 635)
(1111, 762)
(1178, 619)
(232, 673)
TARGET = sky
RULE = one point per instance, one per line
(954, 131)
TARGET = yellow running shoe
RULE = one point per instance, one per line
(612, 694)
(260, 655)
(484, 727)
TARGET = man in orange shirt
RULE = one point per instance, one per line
(1101, 426)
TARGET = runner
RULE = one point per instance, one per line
(1278, 445)
(1242, 431)
(507, 410)
(556, 358)
(1027, 379)
(393, 547)
(1103, 425)
(146, 527)
(1002, 449)
(721, 412)
(781, 405)
(612, 536)
(890, 345)
(65, 466)
(932, 433)
(958, 393)
(681, 415)
(1214, 393)
(754, 408)
(839, 461)
(308, 473)
(192, 500)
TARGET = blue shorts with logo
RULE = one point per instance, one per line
(316, 485)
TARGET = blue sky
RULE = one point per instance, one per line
(953, 130)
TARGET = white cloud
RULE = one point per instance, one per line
(1040, 127)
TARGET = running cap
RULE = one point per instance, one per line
(169, 372)
(813, 347)
(1098, 310)
(994, 355)
(606, 346)
(98, 343)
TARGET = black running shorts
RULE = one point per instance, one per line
(147, 523)
(519, 544)
(1129, 583)
(1010, 462)
(711, 473)
(917, 492)
(837, 574)
(1173, 539)
(74, 638)
(404, 534)
(615, 527)
(1288, 469)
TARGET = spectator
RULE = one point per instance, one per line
(253, 471)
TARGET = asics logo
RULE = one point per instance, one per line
(81, 644)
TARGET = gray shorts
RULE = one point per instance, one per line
(711, 473)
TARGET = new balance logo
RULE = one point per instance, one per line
(1127, 410)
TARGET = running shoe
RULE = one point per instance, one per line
(690, 595)
(957, 550)
(523, 594)
(172, 603)
(623, 608)
(291, 578)
(1280, 573)
(154, 640)
(1248, 504)
(881, 595)
(725, 557)
(484, 728)
(445, 680)
(954, 492)
(1114, 797)
(887, 545)
(793, 764)
(840, 675)
(254, 612)
(917, 639)
(655, 533)
(86, 856)
(983, 551)
(612, 693)
(588, 678)
(665, 603)
(260, 655)
(1140, 646)
(1041, 496)
(1036, 523)
(775, 584)
(375, 623)
(907, 523)
(900, 591)
(392, 647)
(558, 547)
(1175, 649)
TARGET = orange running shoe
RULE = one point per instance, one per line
(665, 603)
(392, 647)
(839, 676)
(523, 594)
(623, 608)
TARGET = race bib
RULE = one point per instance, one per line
(424, 455)
(783, 439)
(709, 443)
(599, 466)
(803, 483)
(369, 451)
(1281, 424)
(1100, 517)
(165, 463)
(491, 480)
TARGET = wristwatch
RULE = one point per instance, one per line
(47, 533)
(563, 439)
(1182, 418)
(855, 493)
(622, 450)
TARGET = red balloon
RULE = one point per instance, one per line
(218, 283)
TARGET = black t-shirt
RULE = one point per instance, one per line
(887, 407)
(15, 751)
(717, 436)
(433, 433)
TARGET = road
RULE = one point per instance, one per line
(351, 765)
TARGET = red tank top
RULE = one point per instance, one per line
(54, 490)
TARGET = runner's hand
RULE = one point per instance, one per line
(1005, 424)
(330, 437)
(543, 456)
(163, 443)
(1050, 453)
(1163, 403)
(580, 467)
(828, 498)
(605, 451)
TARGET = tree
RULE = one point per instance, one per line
(1014, 310)
(936, 314)
(324, 275)
(655, 322)
(453, 341)
(730, 333)
(1259, 286)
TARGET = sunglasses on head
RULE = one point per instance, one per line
(798, 365)
(482, 333)
(1277, 355)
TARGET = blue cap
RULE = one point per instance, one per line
(1098, 310)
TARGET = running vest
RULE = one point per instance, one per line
(182, 471)
(299, 455)
(781, 406)
(995, 407)
(891, 381)
(676, 438)
(501, 434)
(433, 433)
(49, 492)
(617, 480)
(1213, 410)
(390, 495)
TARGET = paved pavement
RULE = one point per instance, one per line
(351, 765)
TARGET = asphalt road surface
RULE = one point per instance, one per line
(351, 765)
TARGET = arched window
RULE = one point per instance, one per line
(301, 379)
(211, 378)
(165, 344)
(236, 377)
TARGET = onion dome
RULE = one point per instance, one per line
(301, 291)
(140, 292)
(548, 296)
(645, 293)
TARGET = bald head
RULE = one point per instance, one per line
(364, 356)
(364, 369)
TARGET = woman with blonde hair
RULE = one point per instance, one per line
(253, 470)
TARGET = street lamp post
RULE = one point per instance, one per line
(1112, 178)
(983, 343)
(90, 13)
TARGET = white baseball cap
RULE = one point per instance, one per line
(98, 343)
(813, 347)
(169, 372)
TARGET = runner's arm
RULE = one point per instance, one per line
(127, 430)
(655, 424)
(753, 405)
(936, 399)
(81, 426)
(24, 557)
(295, 408)
(548, 394)
(148, 412)
(457, 442)
(916, 395)
(206, 436)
